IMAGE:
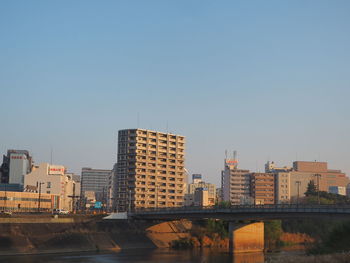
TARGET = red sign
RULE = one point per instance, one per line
(16, 157)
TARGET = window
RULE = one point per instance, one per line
(48, 185)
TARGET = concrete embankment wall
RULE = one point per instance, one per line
(54, 237)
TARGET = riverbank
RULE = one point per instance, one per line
(95, 235)
(90, 236)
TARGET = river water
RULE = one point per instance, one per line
(149, 255)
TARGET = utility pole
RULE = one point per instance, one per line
(5, 201)
(74, 202)
(298, 184)
(318, 187)
(40, 183)
(103, 198)
(129, 200)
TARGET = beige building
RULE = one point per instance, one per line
(53, 179)
(293, 184)
(150, 170)
(201, 197)
(110, 188)
(283, 187)
(199, 184)
(28, 202)
(263, 188)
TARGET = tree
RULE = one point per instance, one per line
(311, 189)
(273, 232)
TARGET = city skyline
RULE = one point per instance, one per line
(270, 80)
(227, 156)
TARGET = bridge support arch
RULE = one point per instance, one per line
(246, 237)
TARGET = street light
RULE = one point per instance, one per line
(318, 187)
(298, 184)
(40, 183)
(5, 200)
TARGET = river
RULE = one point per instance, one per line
(149, 255)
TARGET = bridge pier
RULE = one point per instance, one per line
(246, 237)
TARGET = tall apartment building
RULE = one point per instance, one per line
(95, 180)
(150, 170)
(263, 188)
(235, 183)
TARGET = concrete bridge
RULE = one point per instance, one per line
(244, 212)
(247, 236)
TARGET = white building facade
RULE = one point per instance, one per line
(53, 179)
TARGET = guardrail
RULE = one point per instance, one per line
(241, 208)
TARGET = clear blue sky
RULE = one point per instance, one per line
(270, 79)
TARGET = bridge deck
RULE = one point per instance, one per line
(245, 212)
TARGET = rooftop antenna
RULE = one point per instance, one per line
(235, 159)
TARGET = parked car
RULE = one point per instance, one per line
(5, 213)
(60, 212)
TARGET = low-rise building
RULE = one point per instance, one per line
(198, 183)
(292, 184)
(189, 200)
(53, 179)
(339, 190)
(11, 187)
(201, 197)
(28, 202)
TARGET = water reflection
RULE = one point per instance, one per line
(143, 256)
(249, 258)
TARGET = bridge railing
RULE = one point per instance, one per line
(241, 207)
